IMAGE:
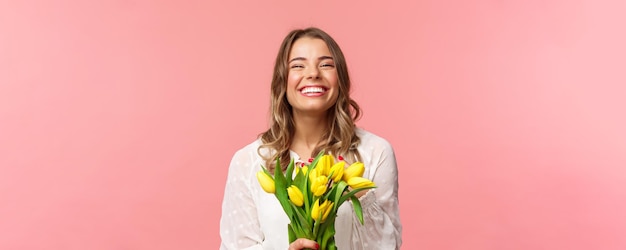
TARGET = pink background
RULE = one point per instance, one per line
(118, 118)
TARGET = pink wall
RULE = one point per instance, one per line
(118, 119)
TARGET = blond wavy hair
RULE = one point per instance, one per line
(339, 138)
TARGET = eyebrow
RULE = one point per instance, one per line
(304, 59)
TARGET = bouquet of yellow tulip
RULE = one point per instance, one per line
(312, 196)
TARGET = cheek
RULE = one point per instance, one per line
(335, 86)
(293, 79)
(292, 83)
(332, 79)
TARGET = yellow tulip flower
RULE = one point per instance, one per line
(295, 195)
(319, 185)
(354, 170)
(266, 181)
(324, 164)
(360, 182)
(337, 171)
(313, 174)
(321, 210)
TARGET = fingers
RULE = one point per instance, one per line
(361, 193)
(303, 243)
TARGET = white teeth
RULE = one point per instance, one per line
(312, 90)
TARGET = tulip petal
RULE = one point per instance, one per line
(360, 182)
(324, 164)
(336, 171)
(295, 195)
(266, 181)
(319, 185)
(355, 170)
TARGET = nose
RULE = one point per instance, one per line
(313, 73)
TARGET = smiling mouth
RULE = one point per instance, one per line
(313, 90)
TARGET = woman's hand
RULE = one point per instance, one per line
(361, 193)
(302, 243)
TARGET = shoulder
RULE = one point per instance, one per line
(371, 141)
(249, 149)
(246, 157)
(376, 153)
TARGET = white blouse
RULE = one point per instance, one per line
(254, 219)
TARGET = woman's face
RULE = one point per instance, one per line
(312, 79)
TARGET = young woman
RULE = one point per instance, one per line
(311, 111)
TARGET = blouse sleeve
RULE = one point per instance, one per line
(239, 224)
(381, 228)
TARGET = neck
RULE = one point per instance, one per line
(309, 129)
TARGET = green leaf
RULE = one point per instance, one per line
(297, 228)
(267, 171)
(331, 246)
(327, 233)
(356, 204)
(340, 188)
(330, 220)
(303, 222)
(306, 195)
(351, 193)
(289, 173)
(292, 235)
(281, 189)
(307, 206)
(298, 180)
(316, 225)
